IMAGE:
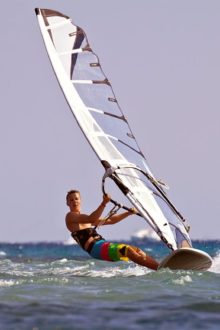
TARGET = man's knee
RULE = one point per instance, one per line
(136, 250)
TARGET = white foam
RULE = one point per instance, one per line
(216, 264)
(68, 270)
(109, 272)
(182, 280)
(2, 254)
(96, 269)
(62, 261)
(7, 283)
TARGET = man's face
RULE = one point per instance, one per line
(74, 201)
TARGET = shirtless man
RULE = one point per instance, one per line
(82, 230)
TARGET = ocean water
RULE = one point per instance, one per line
(57, 286)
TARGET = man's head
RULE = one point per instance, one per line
(73, 199)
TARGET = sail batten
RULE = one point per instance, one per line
(58, 25)
(96, 110)
(94, 105)
(69, 52)
(82, 81)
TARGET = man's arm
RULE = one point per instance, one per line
(117, 217)
(95, 215)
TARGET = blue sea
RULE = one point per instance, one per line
(57, 286)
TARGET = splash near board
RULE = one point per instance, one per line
(94, 106)
(187, 259)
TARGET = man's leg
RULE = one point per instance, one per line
(139, 257)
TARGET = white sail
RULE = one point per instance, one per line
(96, 110)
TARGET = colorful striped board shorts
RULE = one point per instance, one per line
(109, 251)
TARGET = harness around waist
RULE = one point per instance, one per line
(82, 236)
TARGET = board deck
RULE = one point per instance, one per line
(187, 259)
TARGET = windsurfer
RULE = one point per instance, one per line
(82, 229)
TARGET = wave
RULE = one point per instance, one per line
(2, 254)
(216, 264)
(7, 283)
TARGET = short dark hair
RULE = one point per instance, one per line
(72, 192)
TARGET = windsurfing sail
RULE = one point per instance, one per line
(93, 103)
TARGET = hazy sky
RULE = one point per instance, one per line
(163, 60)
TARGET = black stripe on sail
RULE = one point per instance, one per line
(130, 135)
(115, 116)
(94, 65)
(105, 81)
(127, 145)
(122, 117)
(80, 37)
(112, 99)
